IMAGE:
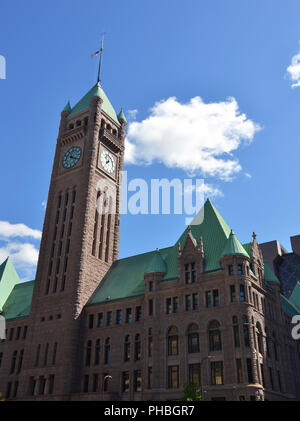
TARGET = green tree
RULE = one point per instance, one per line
(192, 392)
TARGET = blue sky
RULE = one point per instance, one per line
(155, 51)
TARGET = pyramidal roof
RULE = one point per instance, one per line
(121, 116)
(8, 279)
(157, 264)
(85, 102)
(233, 246)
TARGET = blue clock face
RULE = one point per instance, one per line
(71, 157)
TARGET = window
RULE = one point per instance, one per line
(188, 302)
(240, 270)
(150, 307)
(37, 356)
(125, 381)
(109, 318)
(51, 384)
(107, 351)
(137, 381)
(232, 294)
(88, 353)
(195, 373)
(54, 353)
(46, 355)
(172, 305)
(127, 348)
(13, 362)
(100, 320)
(128, 315)
(150, 343)
(95, 382)
(215, 343)
(193, 339)
(175, 304)
(262, 373)
(216, 372)
(1, 358)
(8, 389)
(138, 314)
(239, 371)
(236, 332)
(168, 305)
(279, 381)
(208, 300)
(246, 331)
(32, 383)
(18, 333)
(195, 301)
(97, 352)
(173, 376)
(230, 270)
(259, 338)
(190, 273)
(242, 293)
(20, 361)
(25, 332)
(215, 297)
(250, 371)
(86, 384)
(150, 286)
(91, 321)
(11, 334)
(150, 377)
(173, 341)
(119, 317)
(137, 347)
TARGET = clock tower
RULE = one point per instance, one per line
(81, 231)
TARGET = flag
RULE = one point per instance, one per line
(95, 54)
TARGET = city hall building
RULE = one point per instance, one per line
(206, 309)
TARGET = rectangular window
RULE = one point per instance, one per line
(250, 371)
(137, 381)
(109, 318)
(91, 321)
(11, 334)
(18, 333)
(262, 373)
(125, 381)
(128, 315)
(51, 384)
(195, 374)
(232, 294)
(86, 384)
(173, 377)
(150, 307)
(150, 286)
(236, 336)
(150, 378)
(230, 270)
(239, 371)
(279, 381)
(208, 300)
(1, 358)
(32, 383)
(8, 389)
(95, 382)
(240, 269)
(216, 370)
(242, 293)
(215, 297)
(175, 304)
(25, 332)
(188, 302)
(150, 343)
(195, 301)
(100, 320)
(138, 313)
(119, 317)
(168, 306)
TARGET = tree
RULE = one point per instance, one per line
(192, 392)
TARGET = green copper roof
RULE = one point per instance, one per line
(121, 116)
(85, 102)
(19, 302)
(157, 264)
(233, 246)
(67, 107)
(295, 296)
(269, 274)
(8, 279)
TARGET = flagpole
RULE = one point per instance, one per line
(100, 60)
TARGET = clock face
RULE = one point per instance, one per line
(71, 157)
(107, 161)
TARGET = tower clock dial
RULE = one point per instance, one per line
(71, 157)
(108, 161)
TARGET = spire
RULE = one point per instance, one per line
(121, 116)
(233, 246)
(67, 107)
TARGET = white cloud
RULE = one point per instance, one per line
(293, 70)
(44, 204)
(132, 114)
(248, 175)
(194, 136)
(22, 254)
(208, 190)
(8, 230)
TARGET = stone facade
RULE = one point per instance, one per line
(225, 330)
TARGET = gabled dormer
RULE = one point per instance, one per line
(190, 258)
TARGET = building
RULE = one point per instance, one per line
(206, 309)
(285, 265)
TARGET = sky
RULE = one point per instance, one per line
(210, 89)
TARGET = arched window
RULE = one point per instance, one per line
(107, 351)
(259, 338)
(78, 123)
(127, 348)
(173, 341)
(88, 353)
(214, 335)
(246, 331)
(97, 352)
(193, 339)
(137, 347)
(71, 126)
(108, 127)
